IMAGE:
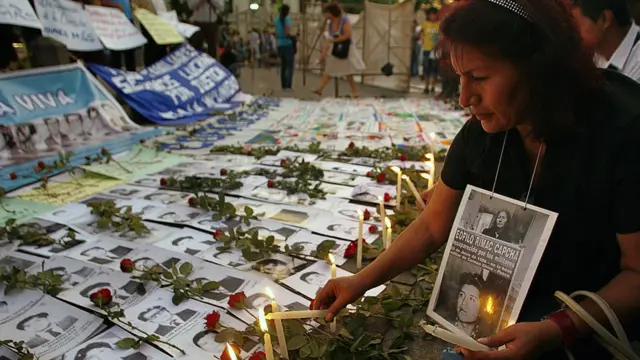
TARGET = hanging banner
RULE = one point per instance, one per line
(114, 29)
(185, 86)
(18, 12)
(48, 111)
(67, 22)
(162, 31)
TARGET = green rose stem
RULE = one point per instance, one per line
(18, 347)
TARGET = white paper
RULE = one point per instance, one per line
(185, 29)
(16, 302)
(257, 299)
(22, 261)
(104, 346)
(105, 252)
(187, 241)
(67, 22)
(74, 272)
(231, 281)
(114, 29)
(60, 235)
(18, 12)
(309, 243)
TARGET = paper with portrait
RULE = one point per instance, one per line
(257, 298)
(66, 213)
(61, 236)
(176, 214)
(51, 327)
(307, 243)
(20, 260)
(168, 197)
(107, 253)
(340, 227)
(104, 346)
(16, 302)
(297, 156)
(147, 257)
(6, 354)
(223, 159)
(74, 272)
(127, 192)
(487, 267)
(187, 241)
(72, 190)
(88, 225)
(343, 167)
(279, 266)
(278, 196)
(21, 210)
(349, 211)
(230, 280)
(345, 179)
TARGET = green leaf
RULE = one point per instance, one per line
(294, 327)
(270, 240)
(344, 332)
(297, 342)
(248, 211)
(225, 336)
(211, 285)
(370, 300)
(305, 351)
(126, 343)
(177, 298)
(167, 274)
(391, 305)
(395, 292)
(186, 269)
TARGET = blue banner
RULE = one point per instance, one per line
(47, 111)
(185, 86)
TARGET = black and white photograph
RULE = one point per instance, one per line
(51, 327)
(342, 167)
(155, 233)
(176, 214)
(292, 155)
(6, 354)
(106, 252)
(350, 211)
(491, 256)
(335, 190)
(267, 228)
(206, 223)
(291, 216)
(257, 298)
(372, 193)
(152, 181)
(144, 207)
(279, 196)
(14, 259)
(16, 302)
(231, 281)
(187, 241)
(340, 228)
(126, 292)
(56, 249)
(226, 159)
(66, 213)
(103, 347)
(147, 257)
(74, 272)
(126, 191)
(279, 266)
(345, 179)
(306, 243)
(204, 346)
(167, 197)
(232, 258)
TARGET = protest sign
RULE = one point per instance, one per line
(185, 86)
(58, 109)
(114, 29)
(186, 30)
(67, 22)
(18, 12)
(162, 31)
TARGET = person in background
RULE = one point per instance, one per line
(254, 38)
(415, 48)
(229, 59)
(7, 52)
(429, 36)
(152, 51)
(205, 16)
(607, 26)
(265, 48)
(285, 47)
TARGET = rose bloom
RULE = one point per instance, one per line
(258, 355)
(237, 300)
(351, 249)
(101, 297)
(212, 320)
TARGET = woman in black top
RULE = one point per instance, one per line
(501, 228)
(536, 93)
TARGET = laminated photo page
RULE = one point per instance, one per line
(492, 254)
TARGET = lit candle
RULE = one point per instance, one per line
(334, 271)
(414, 191)
(387, 241)
(360, 230)
(304, 314)
(282, 340)
(432, 170)
(398, 186)
(383, 213)
(232, 353)
(268, 347)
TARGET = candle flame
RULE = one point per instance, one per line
(332, 259)
(426, 176)
(360, 213)
(263, 320)
(269, 293)
(396, 169)
(232, 353)
(429, 157)
(387, 222)
(489, 307)
(380, 198)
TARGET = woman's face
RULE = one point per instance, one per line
(468, 304)
(487, 86)
(329, 16)
(501, 220)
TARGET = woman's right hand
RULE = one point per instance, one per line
(338, 293)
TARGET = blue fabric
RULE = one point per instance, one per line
(126, 7)
(287, 57)
(281, 36)
(185, 86)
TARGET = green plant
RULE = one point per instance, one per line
(117, 218)
(16, 279)
(30, 235)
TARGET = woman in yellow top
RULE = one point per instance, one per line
(429, 36)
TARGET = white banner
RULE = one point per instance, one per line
(114, 29)
(18, 12)
(186, 30)
(67, 22)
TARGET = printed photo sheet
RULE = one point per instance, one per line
(106, 253)
(6, 354)
(349, 211)
(89, 226)
(292, 155)
(16, 302)
(15, 259)
(307, 243)
(177, 214)
(279, 196)
(489, 262)
(230, 280)
(372, 193)
(51, 327)
(127, 192)
(345, 179)
(126, 292)
(65, 214)
(149, 256)
(62, 236)
(74, 273)
(342, 167)
(340, 228)
(104, 347)
(188, 241)
(257, 298)
(310, 280)
(221, 159)
(279, 266)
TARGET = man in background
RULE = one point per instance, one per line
(430, 35)
(607, 26)
(205, 14)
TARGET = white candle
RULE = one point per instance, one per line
(304, 314)
(432, 170)
(398, 186)
(334, 271)
(232, 353)
(414, 191)
(268, 347)
(383, 213)
(387, 241)
(282, 340)
(360, 231)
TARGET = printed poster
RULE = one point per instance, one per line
(162, 31)
(114, 29)
(490, 259)
(67, 22)
(18, 12)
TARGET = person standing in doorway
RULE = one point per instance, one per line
(285, 47)
(430, 35)
(343, 59)
(205, 16)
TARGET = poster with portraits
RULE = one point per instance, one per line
(51, 327)
(257, 298)
(104, 346)
(105, 252)
(230, 281)
(489, 262)
(16, 302)
(73, 272)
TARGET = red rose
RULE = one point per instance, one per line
(270, 184)
(387, 197)
(163, 182)
(366, 215)
(104, 151)
(192, 201)
(351, 249)
(250, 153)
(224, 172)
(13, 176)
(237, 300)
(283, 163)
(101, 297)
(212, 321)
(403, 157)
(258, 355)
(380, 178)
(352, 145)
(217, 234)
(225, 354)
(41, 164)
(126, 265)
(369, 174)
(373, 229)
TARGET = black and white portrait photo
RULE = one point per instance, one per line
(228, 285)
(168, 197)
(120, 294)
(100, 255)
(208, 224)
(232, 258)
(128, 191)
(42, 327)
(21, 261)
(164, 320)
(187, 241)
(71, 279)
(103, 347)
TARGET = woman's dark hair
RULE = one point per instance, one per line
(332, 8)
(431, 10)
(557, 72)
(493, 221)
(284, 12)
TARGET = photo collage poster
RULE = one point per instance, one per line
(489, 262)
